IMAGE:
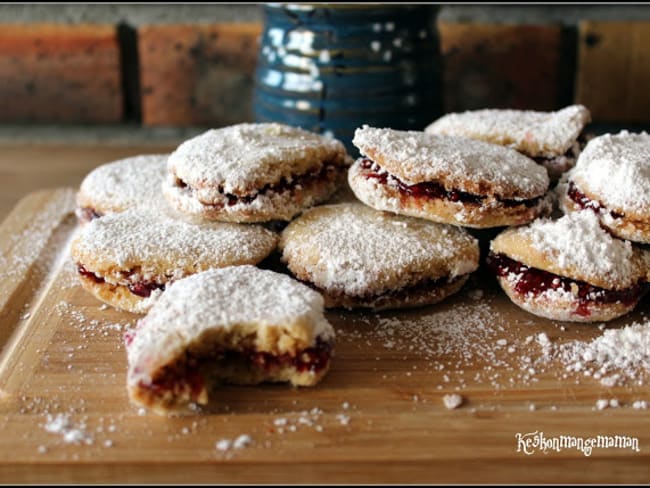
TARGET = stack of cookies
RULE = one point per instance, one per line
(178, 236)
(579, 267)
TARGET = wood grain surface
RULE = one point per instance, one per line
(378, 416)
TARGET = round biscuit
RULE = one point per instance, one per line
(574, 246)
(159, 246)
(534, 133)
(246, 161)
(354, 251)
(127, 183)
(468, 165)
(240, 308)
(492, 214)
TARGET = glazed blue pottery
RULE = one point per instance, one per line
(331, 68)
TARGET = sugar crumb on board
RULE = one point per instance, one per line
(452, 401)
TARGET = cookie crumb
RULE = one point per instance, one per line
(602, 404)
(343, 419)
(223, 445)
(452, 401)
(242, 441)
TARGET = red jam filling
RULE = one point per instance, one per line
(187, 377)
(141, 288)
(191, 380)
(536, 281)
(433, 189)
(312, 359)
(88, 213)
(583, 201)
(285, 184)
(89, 274)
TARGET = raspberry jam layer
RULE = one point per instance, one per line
(432, 189)
(185, 377)
(326, 173)
(584, 202)
(86, 214)
(313, 359)
(140, 288)
(536, 281)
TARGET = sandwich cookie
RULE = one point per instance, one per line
(254, 173)
(357, 257)
(552, 139)
(126, 260)
(239, 325)
(127, 183)
(569, 269)
(612, 178)
(447, 179)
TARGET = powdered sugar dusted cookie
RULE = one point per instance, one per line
(612, 178)
(127, 259)
(359, 257)
(254, 172)
(569, 269)
(447, 179)
(127, 183)
(550, 138)
(238, 325)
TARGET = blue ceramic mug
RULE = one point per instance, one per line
(330, 68)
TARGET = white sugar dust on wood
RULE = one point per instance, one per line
(463, 343)
(617, 357)
(472, 343)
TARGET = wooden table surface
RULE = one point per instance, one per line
(378, 417)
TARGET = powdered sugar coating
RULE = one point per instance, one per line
(469, 165)
(278, 309)
(615, 169)
(242, 158)
(353, 249)
(123, 184)
(534, 133)
(160, 246)
(575, 246)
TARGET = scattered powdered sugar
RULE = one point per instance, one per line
(602, 404)
(126, 183)
(452, 401)
(39, 243)
(467, 164)
(359, 251)
(240, 442)
(71, 433)
(343, 418)
(223, 445)
(615, 357)
(455, 341)
(615, 169)
(531, 132)
(578, 242)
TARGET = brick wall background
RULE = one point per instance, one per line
(193, 65)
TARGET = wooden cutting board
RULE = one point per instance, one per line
(378, 417)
